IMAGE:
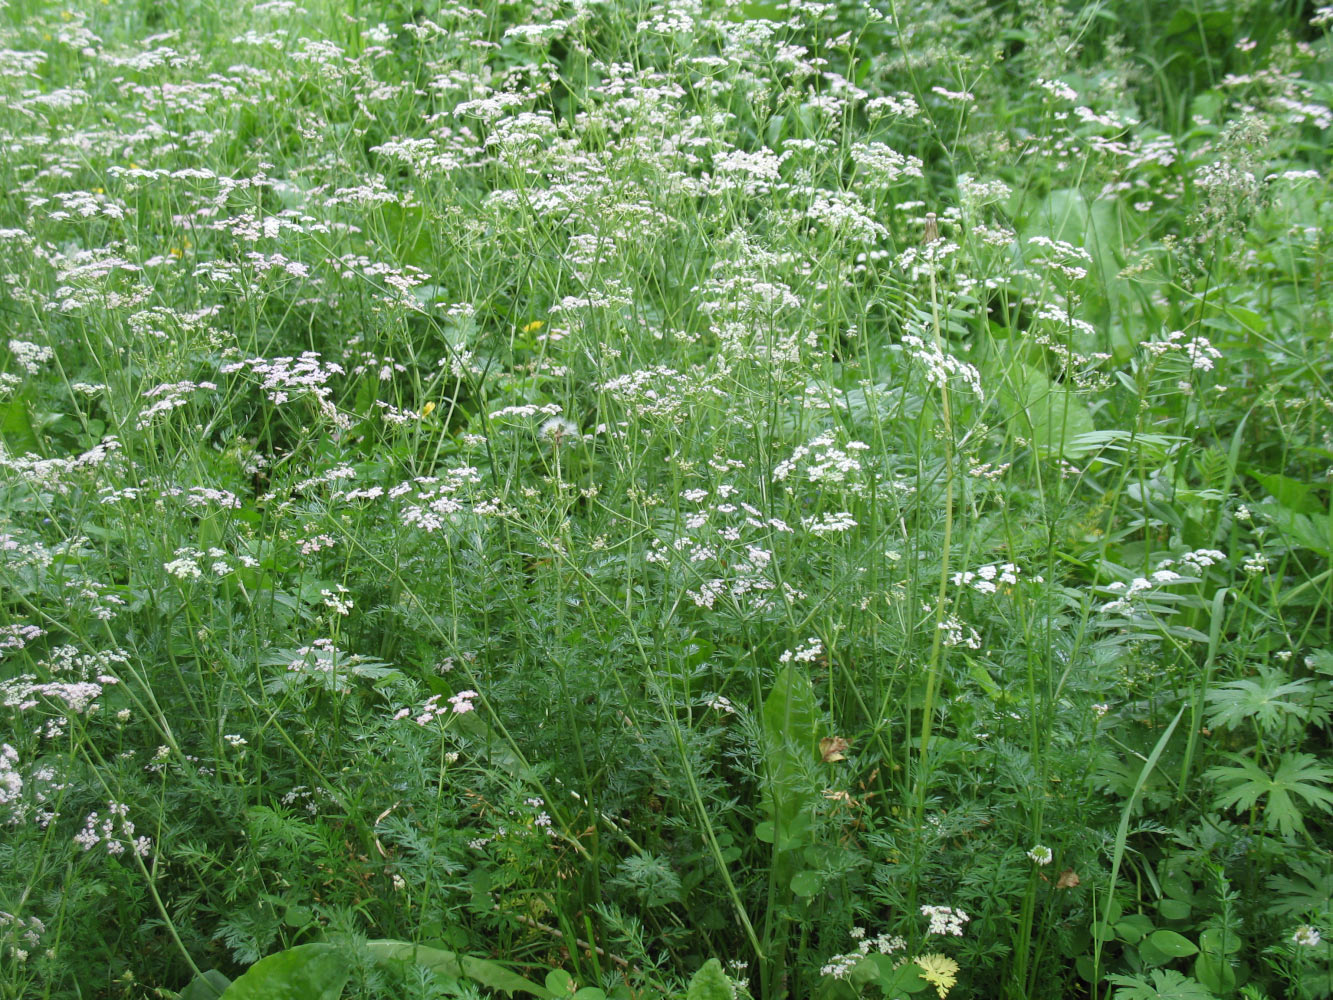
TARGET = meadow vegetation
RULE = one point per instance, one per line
(666, 498)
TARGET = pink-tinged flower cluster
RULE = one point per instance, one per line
(434, 708)
(115, 831)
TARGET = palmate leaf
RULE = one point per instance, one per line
(1297, 774)
(1307, 889)
(1267, 700)
(1167, 984)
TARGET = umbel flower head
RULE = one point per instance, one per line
(558, 430)
(1041, 854)
(940, 971)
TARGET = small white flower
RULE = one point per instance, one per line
(719, 703)
(1306, 936)
(559, 430)
(1041, 854)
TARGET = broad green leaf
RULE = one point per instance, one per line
(806, 883)
(1174, 909)
(1216, 941)
(560, 982)
(1215, 972)
(206, 986)
(791, 746)
(1290, 493)
(490, 974)
(1056, 420)
(1132, 929)
(710, 983)
(893, 978)
(16, 430)
(1171, 943)
(307, 972)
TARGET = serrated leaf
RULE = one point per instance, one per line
(1308, 887)
(1297, 775)
(1267, 701)
(1167, 984)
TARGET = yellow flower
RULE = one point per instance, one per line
(428, 409)
(534, 326)
(940, 971)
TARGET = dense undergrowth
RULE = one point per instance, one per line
(588, 488)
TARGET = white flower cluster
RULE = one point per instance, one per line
(988, 579)
(841, 966)
(1306, 936)
(1198, 560)
(1161, 577)
(1063, 258)
(115, 831)
(432, 709)
(1199, 351)
(945, 920)
(807, 652)
(29, 355)
(880, 166)
(956, 633)
(17, 932)
(829, 524)
(719, 703)
(185, 566)
(941, 368)
(1255, 564)
(11, 781)
(828, 463)
(285, 378)
(19, 634)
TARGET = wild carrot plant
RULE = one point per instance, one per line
(675, 498)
